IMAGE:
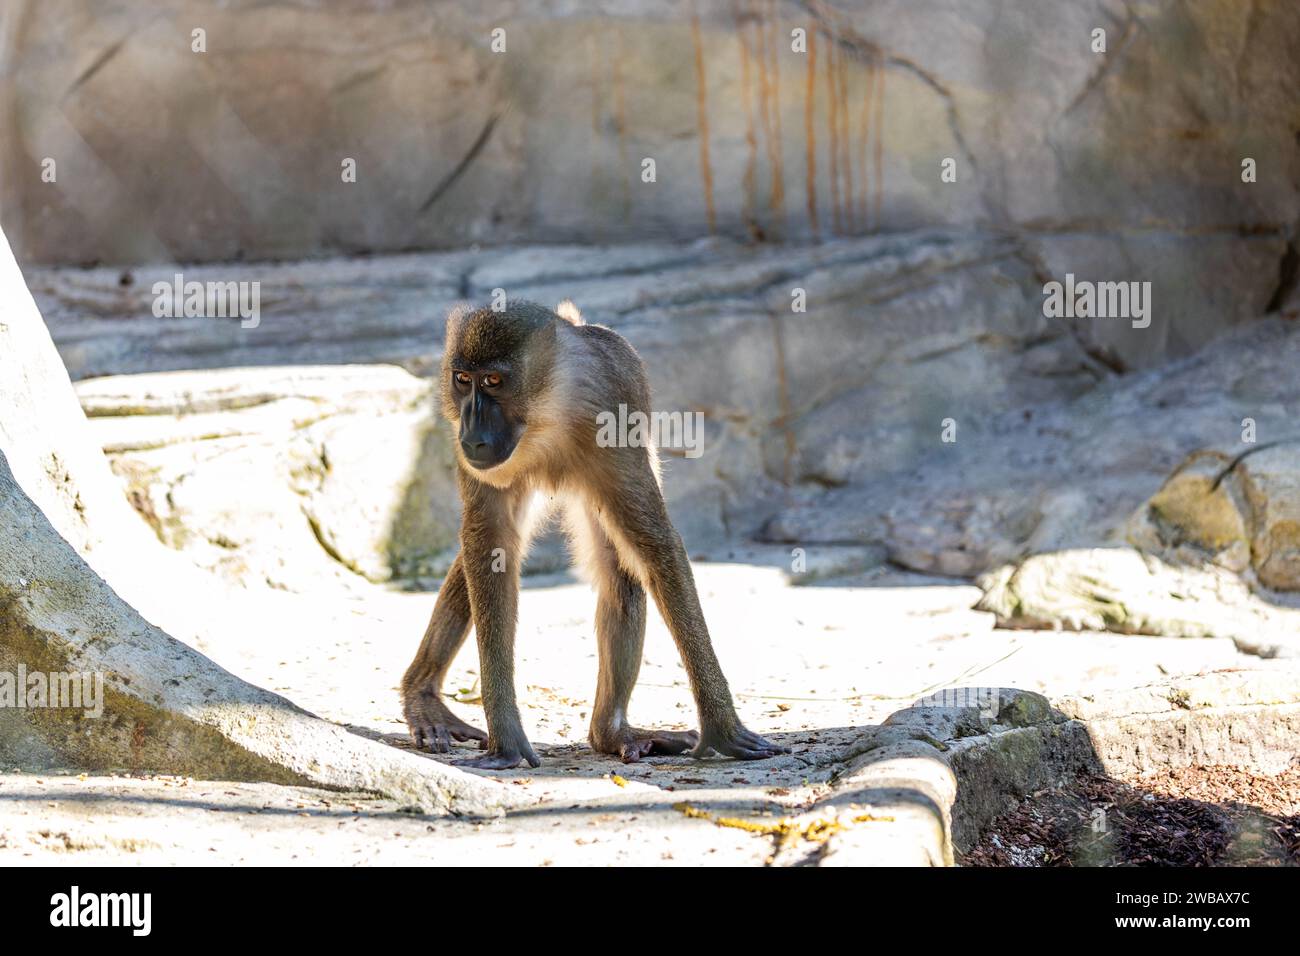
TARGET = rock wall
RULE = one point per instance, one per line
(1122, 165)
(899, 333)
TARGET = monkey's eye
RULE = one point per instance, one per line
(491, 381)
(463, 378)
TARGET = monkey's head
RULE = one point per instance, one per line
(496, 375)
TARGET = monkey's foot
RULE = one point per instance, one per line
(739, 743)
(433, 726)
(504, 756)
(631, 744)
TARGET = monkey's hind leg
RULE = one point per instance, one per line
(639, 519)
(432, 724)
(620, 636)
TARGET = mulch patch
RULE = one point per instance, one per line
(1193, 816)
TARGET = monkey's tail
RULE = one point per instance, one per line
(569, 312)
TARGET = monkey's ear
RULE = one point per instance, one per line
(569, 312)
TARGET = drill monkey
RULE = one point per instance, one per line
(524, 386)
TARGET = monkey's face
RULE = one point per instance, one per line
(490, 425)
(497, 371)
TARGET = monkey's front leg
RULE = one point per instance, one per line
(492, 553)
(432, 724)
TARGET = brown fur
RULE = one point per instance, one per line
(558, 375)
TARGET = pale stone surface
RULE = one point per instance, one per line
(99, 820)
(1244, 718)
(1123, 590)
(295, 477)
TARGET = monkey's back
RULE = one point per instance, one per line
(611, 372)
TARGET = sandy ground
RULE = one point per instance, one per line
(810, 666)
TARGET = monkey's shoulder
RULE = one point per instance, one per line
(607, 366)
(604, 343)
(600, 334)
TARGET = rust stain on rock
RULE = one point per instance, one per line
(879, 127)
(810, 135)
(832, 132)
(769, 82)
(864, 139)
(845, 140)
(702, 111)
(748, 183)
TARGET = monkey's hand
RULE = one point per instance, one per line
(432, 724)
(736, 742)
